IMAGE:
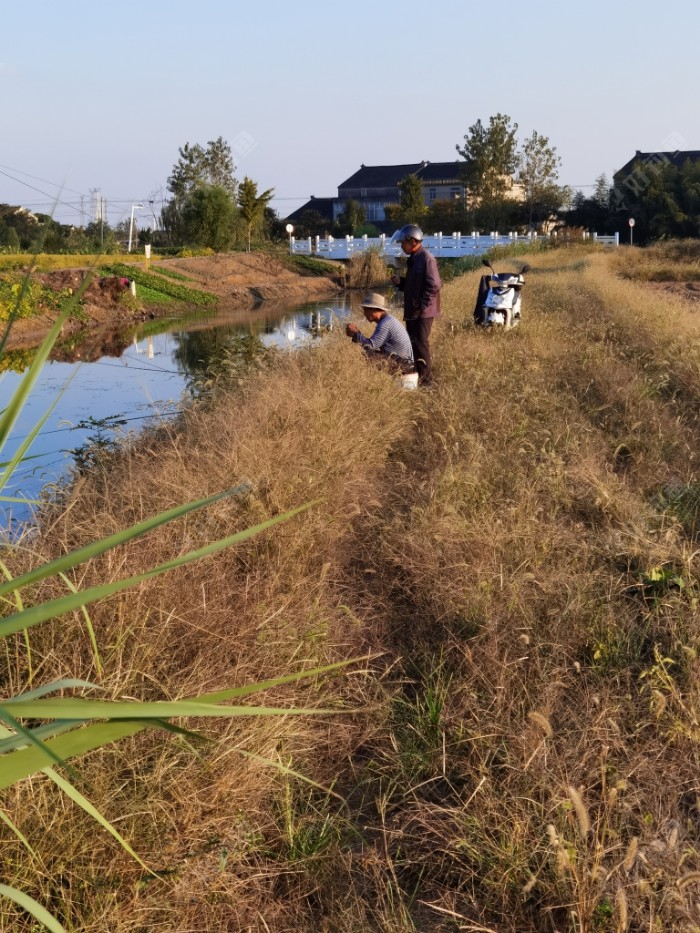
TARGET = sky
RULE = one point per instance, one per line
(99, 95)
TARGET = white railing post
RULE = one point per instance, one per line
(318, 242)
(617, 239)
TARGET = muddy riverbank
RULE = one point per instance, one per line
(235, 280)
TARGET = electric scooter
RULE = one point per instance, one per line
(498, 300)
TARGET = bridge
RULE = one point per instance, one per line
(450, 246)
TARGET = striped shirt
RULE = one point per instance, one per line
(389, 337)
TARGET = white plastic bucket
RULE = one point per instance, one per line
(409, 381)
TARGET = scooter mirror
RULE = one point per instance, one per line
(525, 268)
(485, 262)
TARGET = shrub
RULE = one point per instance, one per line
(366, 270)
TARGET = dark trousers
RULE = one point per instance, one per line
(419, 333)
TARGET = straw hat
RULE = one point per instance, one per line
(373, 300)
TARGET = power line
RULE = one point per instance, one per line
(44, 180)
(45, 193)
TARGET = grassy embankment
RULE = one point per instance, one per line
(516, 554)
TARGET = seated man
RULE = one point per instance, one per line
(390, 342)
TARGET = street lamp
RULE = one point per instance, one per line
(290, 230)
(134, 207)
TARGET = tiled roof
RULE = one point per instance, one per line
(379, 176)
(442, 172)
(388, 176)
(676, 158)
(324, 206)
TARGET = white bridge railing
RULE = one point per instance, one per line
(453, 245)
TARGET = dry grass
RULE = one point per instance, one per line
(673, 261)
(516, 550)
(366, 270)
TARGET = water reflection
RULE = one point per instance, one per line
(158, 361)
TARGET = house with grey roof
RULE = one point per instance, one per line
(376, 186)
(635, 175)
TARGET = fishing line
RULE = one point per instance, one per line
(78, 427)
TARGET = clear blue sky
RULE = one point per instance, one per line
(101, 94)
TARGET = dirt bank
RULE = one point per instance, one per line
(107, 309)
(248, 278)
(689, 291)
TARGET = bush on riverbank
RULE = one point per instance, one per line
(366, 270)
(513, 553)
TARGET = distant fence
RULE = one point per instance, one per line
(445, 247)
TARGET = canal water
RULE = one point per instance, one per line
(149, 376)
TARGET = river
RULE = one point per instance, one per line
(149, 376)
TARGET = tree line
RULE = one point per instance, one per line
(515, 186)
(208, 208)
(510, 185)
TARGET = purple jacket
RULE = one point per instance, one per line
(421, 286)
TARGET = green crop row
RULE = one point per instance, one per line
(172, 274)
(158, 284)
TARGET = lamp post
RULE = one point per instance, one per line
(290, 230)
(631, 223)
(134, 207)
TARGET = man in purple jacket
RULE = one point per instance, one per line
(421, 296)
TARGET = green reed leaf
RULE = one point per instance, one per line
(32, 907)
(90, 551)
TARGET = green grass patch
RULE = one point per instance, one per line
(453, 268)
(157, 284)
(306, 265)
(153, 297)
(172, 274)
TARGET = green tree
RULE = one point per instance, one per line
(12, 240)
(594, 213)
(411, 207)
(350, 219)
(198, 166)
(601, 194)
(252, 205)
(538, 173)
(449, 215)
(664, 200)
(311, 223)
(490, 156)
(208, 217)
